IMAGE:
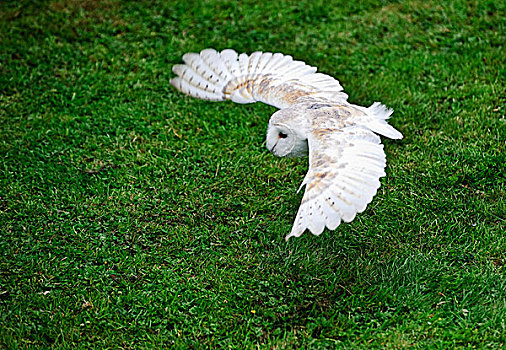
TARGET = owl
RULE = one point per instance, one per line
(346, 157)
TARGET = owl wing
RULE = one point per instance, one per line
(345, 166)
(272, 78)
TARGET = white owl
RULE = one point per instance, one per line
(346, 157)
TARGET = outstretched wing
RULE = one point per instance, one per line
(345, 166)
(275, 79)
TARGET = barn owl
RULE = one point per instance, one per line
(346, 157)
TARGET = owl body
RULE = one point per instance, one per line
(287, 133)
(346, 157)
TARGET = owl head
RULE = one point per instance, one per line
(285, 136)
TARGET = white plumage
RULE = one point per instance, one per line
(346, 157)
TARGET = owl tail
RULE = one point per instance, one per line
(376, 120)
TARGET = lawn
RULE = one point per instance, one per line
(132, 216)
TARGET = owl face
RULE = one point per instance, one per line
(283, 141)
(280, 140)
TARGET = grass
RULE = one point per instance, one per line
(134, 217)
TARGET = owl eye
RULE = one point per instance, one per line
(282, 135)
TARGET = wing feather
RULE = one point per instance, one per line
(272, 78)
(316, 218)
(339, 184)
(216, 64)
(229, 58)
(263, 60)
(254, 58)
(331, 219)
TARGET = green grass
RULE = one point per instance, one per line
(134, 217)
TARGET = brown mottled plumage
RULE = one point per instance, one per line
(346, 158)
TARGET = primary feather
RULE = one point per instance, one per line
(346, 158)
(274, 79)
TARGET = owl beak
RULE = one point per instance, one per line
(272, 149)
